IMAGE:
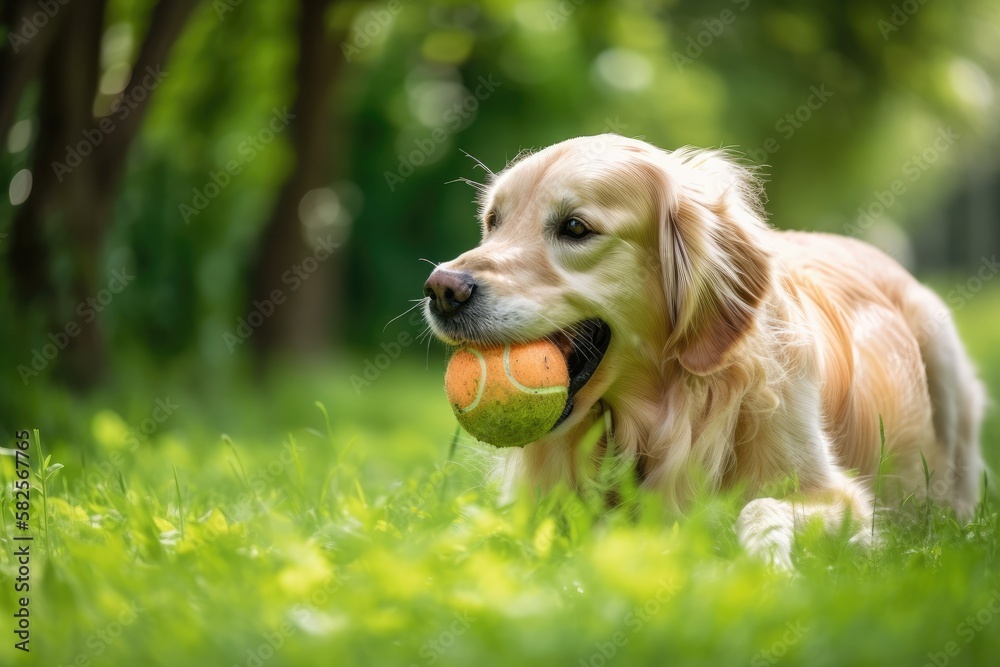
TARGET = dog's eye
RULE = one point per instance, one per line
(574, 228)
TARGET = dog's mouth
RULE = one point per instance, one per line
(583, 345)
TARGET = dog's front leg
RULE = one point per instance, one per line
(766, 526)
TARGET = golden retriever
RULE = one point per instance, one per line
(722, 349)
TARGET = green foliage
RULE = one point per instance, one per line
(345, 529)
(193, 513)
(719, 73)
(249, 541)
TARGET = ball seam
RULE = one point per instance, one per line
(528, 390)
(481, 384)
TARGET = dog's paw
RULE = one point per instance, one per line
(766, 530)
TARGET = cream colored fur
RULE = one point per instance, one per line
(740, 355)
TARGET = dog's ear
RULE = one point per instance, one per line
(715, 269)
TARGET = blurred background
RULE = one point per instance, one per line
(213, 220)
(196, 191)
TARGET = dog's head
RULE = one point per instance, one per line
(628, 257)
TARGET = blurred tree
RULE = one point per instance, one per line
(79, 159)
(836, 101)
(387, 97)
(303, 321)
(20, 61)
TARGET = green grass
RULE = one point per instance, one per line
(250, 529)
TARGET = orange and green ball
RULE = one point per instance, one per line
(510, 395)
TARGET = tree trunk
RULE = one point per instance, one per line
(68, 81)
(22, 54)
(301, 324)
(72, 199)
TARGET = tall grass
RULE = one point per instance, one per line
(363, 532)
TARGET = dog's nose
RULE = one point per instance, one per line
(448, 290)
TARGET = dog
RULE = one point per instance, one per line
(721, 350)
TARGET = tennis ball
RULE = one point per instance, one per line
(508, 396)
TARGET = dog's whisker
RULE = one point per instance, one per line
(418, 303)
(554, 325)
(427, 360)
(424, 259)
(579, 336)
(479, 187)
(679, 421)
(480, 164)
